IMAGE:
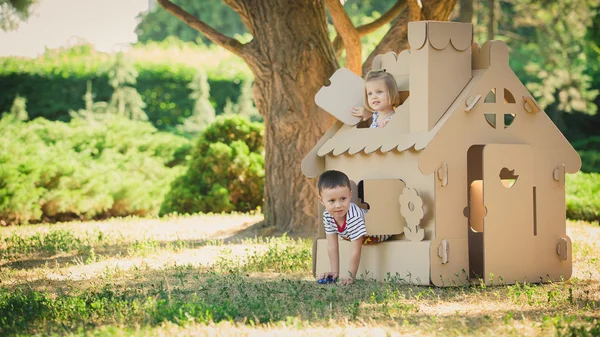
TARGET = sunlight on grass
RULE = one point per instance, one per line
(192, 275)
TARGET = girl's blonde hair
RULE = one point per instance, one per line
(390, 83)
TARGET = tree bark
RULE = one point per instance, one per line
(392, 13)
(491, 20)
(291, 58)
(348, 33)
(294, 59)
(466, 11)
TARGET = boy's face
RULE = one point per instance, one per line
(377, 94)
(336, 200)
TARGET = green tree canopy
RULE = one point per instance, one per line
(13, 12)
(158, 24)
(552, 46)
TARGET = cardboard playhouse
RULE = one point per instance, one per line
(469, 175)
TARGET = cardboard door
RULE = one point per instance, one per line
(508, 226)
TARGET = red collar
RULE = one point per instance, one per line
(340, 229)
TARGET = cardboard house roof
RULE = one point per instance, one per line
(457, 126)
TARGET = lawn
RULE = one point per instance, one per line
(210, 275)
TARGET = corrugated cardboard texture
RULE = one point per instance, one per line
(345, 92)
(384, 216)
(393, 166)
(402, 260)
(440, 67)
(397, 65)
(456, 125)
(312, 165)
(508, 227)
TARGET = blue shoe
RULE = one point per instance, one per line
(327, 280)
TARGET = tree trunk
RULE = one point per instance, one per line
(291, 60)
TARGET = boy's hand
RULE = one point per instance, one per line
(359, 111)
(334, 275)
(347, 281)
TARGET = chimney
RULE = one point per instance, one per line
(440, 67)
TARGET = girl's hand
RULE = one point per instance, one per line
(359, 111)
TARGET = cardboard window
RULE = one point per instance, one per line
(491, 96)
(508, 177)
(491, 119)
(508, 120)
(508, 97)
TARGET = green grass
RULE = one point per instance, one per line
(583, 196)
(178, 277)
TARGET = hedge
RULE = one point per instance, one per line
(55, 86)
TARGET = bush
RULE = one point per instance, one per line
(85, 169)
(54, 83)
(589, 150)
(590, 161)
(226, 170)
(583, 196)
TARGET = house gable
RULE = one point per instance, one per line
(496, 111)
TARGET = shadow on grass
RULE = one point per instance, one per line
(137, 248)
(183, 294)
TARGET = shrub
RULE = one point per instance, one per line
(54, 83)
(583, 196)
(85, 169)
(590, 161)
(226, 170)
(589, 150)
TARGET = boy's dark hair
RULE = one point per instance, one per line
(332, 179)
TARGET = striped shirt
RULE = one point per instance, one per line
(376, 123)
(354, 227)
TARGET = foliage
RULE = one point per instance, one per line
(158, 24)
(583, 196)
(203, 113)
(18, 110)
(125, 100)
(84, 169)
(361, 13)
(245, 103)
(54, 83)
(549, 50)
(12, 12)
(225, 172)
(245, 106)
(589, 150)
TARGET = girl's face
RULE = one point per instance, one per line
(377, 95)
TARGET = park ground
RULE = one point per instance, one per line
(215, 275)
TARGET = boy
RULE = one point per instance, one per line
(344, 218)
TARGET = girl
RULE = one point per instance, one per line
(381, 98)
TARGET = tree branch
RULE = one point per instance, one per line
(228, 43)
(466, 11)
(414, 10)
(348, 33)
(396, 40)
(387, 17)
